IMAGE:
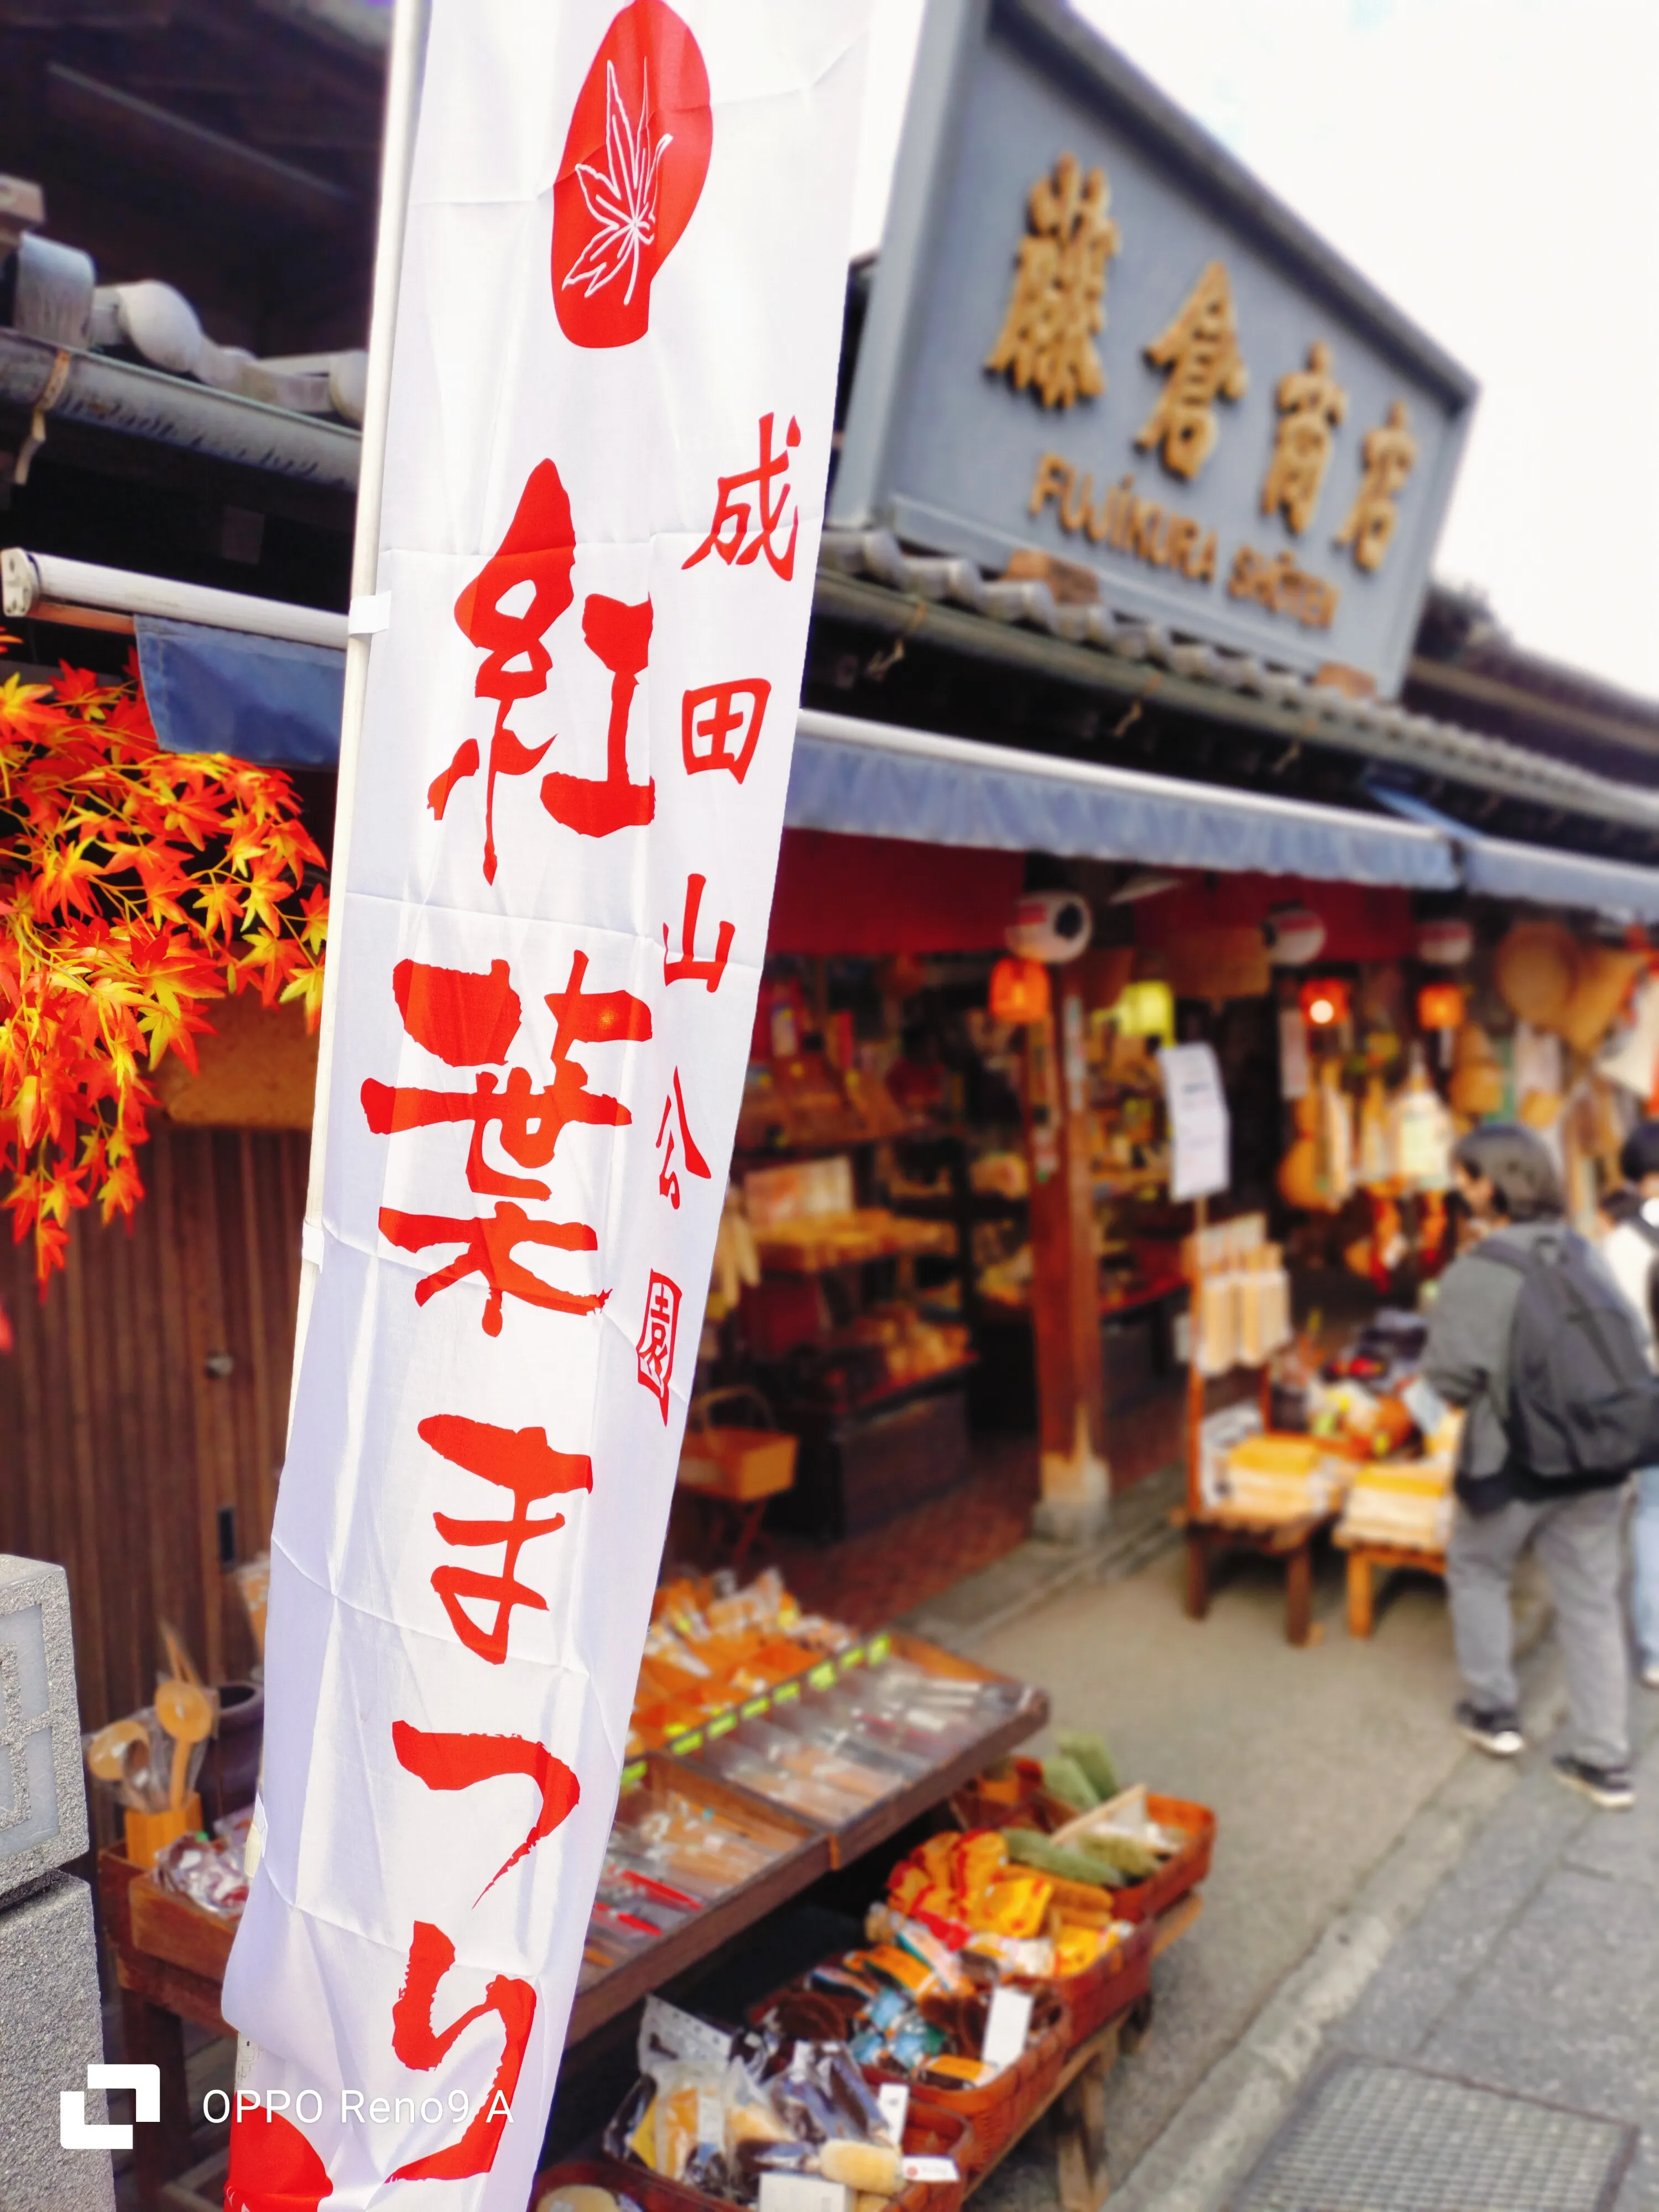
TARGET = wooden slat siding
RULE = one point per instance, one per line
(258, 1493)
(116, 1448)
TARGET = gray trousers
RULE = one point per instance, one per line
(1578, 1540)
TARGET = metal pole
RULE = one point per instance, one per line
(406, 64)
(85, 594)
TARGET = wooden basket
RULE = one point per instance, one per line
(928, 2134)
(999, 2113)
(743, 1464)
(1110, 1986)
(1144, 1900)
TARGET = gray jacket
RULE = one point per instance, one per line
(1467, 1360)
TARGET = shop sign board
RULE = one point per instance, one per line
(611, 403)
(1093, 334)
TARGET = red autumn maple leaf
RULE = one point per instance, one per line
(136, 887)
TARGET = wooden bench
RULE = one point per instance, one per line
(1365, 1560)
(1209, 1535)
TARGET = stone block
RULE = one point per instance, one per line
(51, 2031)
(43, 1799)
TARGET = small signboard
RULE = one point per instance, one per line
(1200, 1128)
(1094, 336)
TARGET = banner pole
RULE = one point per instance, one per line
(405, 62)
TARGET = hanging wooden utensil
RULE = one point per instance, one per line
(186, 1711)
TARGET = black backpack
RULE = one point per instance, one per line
(1583, 1402)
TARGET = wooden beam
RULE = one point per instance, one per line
(172, 144)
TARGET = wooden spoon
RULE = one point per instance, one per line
(186, 1711)
(106, 1755)
(179, 1658)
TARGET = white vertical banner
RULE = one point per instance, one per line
(612, 386)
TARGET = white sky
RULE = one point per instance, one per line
(1494, 167)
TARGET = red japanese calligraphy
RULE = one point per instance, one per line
(631, 175)
(272, 2167)
(539, 548)
(621, 637)
(730, 535)
(710, 716)
(466, 1016)
(688, 968)
(667, 1181)
(458, 1762)
(521, 1460)
(422, 2047)
(461, 1017)
(658, 1332)
(488, 1246)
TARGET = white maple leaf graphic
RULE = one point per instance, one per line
(621, 198)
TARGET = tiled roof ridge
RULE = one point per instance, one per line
(1449, 749)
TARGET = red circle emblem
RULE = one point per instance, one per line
(633, 171)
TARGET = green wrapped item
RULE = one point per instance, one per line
(1127, 1858)
(1091, 1755)
(1063, 1861)
(1064, 1779)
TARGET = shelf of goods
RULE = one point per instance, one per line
(1004, 1968)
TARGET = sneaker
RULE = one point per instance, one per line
(1609, 1787)
(1497, 1732)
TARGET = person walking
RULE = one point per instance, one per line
(1630, 1249)
(1487, 1298)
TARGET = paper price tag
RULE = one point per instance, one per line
(1006, 2024)
(822, 1677)
(894, 2098)
(711, 2119)
(880, 1647)
(802, 2192)
(680, 2037)
(930, 2169)
(723, 1726)
(632, 1776)
(787, 1693)
(853, 1658)
(755, 1708)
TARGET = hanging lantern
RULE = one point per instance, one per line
(1446, 943)
(1441, 1006)
(1145, 1010)
(1019, 991)
(1296, 935)
(1324, 1002)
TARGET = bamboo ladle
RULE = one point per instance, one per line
(186, 1711)
(107, 1752)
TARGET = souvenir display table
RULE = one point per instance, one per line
(171, 1953)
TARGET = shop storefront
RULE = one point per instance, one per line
(1096, 761)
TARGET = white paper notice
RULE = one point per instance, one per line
(1006, 2024)
(1201, 1131)
(1295, 1076)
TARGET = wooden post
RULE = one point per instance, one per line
(1076, 1498)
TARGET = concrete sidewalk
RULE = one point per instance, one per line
(1377, 1888)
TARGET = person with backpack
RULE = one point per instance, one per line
(1630, 1249)
(1532, 1337)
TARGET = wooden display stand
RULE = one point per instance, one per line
(1365, 1560)
(170, 1956)
(1211, 1531)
